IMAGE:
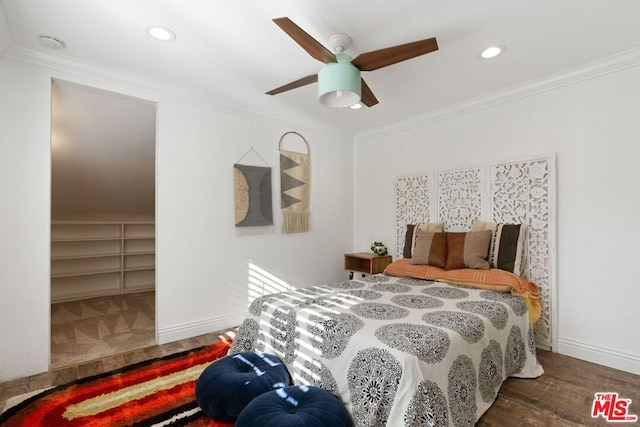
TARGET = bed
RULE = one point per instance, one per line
(430, 341)
(399, 351)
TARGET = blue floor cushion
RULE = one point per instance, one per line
(295, 406)
(227, 385)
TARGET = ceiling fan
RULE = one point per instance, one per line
(339, 82)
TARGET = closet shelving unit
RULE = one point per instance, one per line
(91, 259)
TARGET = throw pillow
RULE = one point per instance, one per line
(430, 248)
(507, 244)
(409, 237)
(468, 250)
(408, 241)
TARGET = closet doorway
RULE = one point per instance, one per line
(103, 147)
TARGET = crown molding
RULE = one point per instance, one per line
(66, 68)
(611, 64)
(133, 83)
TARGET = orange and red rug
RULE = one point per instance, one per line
(160, 392)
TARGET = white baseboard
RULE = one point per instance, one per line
(200, 327)
(544, 346)
(611, 357)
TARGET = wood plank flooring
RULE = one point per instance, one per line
(563, 396)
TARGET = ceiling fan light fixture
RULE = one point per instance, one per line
(339, 85)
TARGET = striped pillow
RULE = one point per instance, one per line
(468, 250)
(506, 251)
(430, 248)
(410, 237)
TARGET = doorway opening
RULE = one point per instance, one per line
(103, 177)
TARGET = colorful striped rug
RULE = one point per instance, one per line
(159, 392)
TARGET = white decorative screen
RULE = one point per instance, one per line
(521, 192)
(459, 198)
(518, 192)
(413, 204)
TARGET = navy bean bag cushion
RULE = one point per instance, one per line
(295, 406)
(227, 385)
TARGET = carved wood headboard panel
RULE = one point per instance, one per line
(513, 192)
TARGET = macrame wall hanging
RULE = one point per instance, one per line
(295, 180)
(252, 194)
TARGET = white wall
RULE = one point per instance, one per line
(25, 159)
(202, 264)
(593, 127)
(198, 245)
(5, 34)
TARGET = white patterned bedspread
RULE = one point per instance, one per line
(398, 351)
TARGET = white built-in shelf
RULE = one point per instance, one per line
(60, 257)
(101, 258)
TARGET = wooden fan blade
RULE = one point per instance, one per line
(296, 84)
(367, 98)
(308, 43)
(373, 60)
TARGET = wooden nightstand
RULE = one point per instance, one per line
(365, 263)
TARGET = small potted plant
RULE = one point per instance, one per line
(379, 248)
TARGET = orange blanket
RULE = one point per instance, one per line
(492, 279)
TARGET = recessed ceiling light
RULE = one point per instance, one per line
(491, 52)
(160, 33)
(50, 41)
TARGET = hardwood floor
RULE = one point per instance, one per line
(563, 396)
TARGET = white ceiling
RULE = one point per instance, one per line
(232, 52)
